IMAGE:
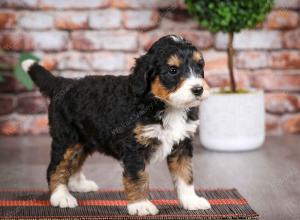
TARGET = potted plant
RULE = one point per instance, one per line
(18, 71)
(231, 119)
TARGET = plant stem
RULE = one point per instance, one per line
(230, 53)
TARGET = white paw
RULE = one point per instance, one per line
(194, 202)
(62, 198)
(83, 186)
(79, 183)
(142, 208)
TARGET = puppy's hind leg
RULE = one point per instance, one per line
(64, 163)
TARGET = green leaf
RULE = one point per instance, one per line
(23, 77)
(20, 74)
(25, 56)
(1, 78)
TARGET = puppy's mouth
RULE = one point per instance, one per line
(193, 103)
(197, 101)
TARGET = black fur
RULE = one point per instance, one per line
(101, 112)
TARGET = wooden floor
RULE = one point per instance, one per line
(269, 178)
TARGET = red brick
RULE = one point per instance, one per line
(103, 19)
(8, 85)
(282, 19)
(71, 20)
(49, 62)
(92, 40)
(50, 41)
(9, 127)
(170, 24)
(285, 59)
(181, 4)
(222, 80)
(107, 61)
(19, 4)
(11, 85)
(8, 60)
(31, 104)
(21, 125)
(177, 15)
(253, 39)
(280, 103)
(141, 20)
(7, 105)
(251, 59)
(201, 39)
(36, 20)
(292, 4)
(138, 4)
(16, 41)
(273, 125)
(215, 62)
(71, 4)
(7, 20)
(292, 39)
(291, 124)
(74, 61)
(276, 81)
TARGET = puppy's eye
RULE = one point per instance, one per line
(173, 70)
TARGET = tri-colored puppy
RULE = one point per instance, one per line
(148, 116)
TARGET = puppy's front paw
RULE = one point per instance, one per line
(83, 186)
(194, 202)
(62, 198)
(142, 208)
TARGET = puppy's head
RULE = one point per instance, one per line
(172, 71)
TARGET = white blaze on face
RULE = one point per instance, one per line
(183, 97)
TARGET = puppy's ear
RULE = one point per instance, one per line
(142, 75)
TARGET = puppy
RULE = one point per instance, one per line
(148, 116)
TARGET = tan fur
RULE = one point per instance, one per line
(137, 189)
(181, 166)
(159, 90)
(174, 60)
(73, 159)
(197, 56)
(142, 139)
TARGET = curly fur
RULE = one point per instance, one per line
(101, 113)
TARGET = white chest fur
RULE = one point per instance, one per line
(175, 128)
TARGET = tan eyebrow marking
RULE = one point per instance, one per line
(197, 56)
(174, 60)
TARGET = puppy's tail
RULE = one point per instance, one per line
(41, 77)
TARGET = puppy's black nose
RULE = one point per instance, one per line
(197, 90)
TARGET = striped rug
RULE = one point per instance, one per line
(111, 204)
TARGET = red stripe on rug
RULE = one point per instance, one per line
(134, 217)
(116, 202)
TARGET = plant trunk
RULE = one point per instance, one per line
(230, 53)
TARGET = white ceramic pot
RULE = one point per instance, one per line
(232, 122)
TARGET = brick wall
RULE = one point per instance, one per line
(102, 37)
